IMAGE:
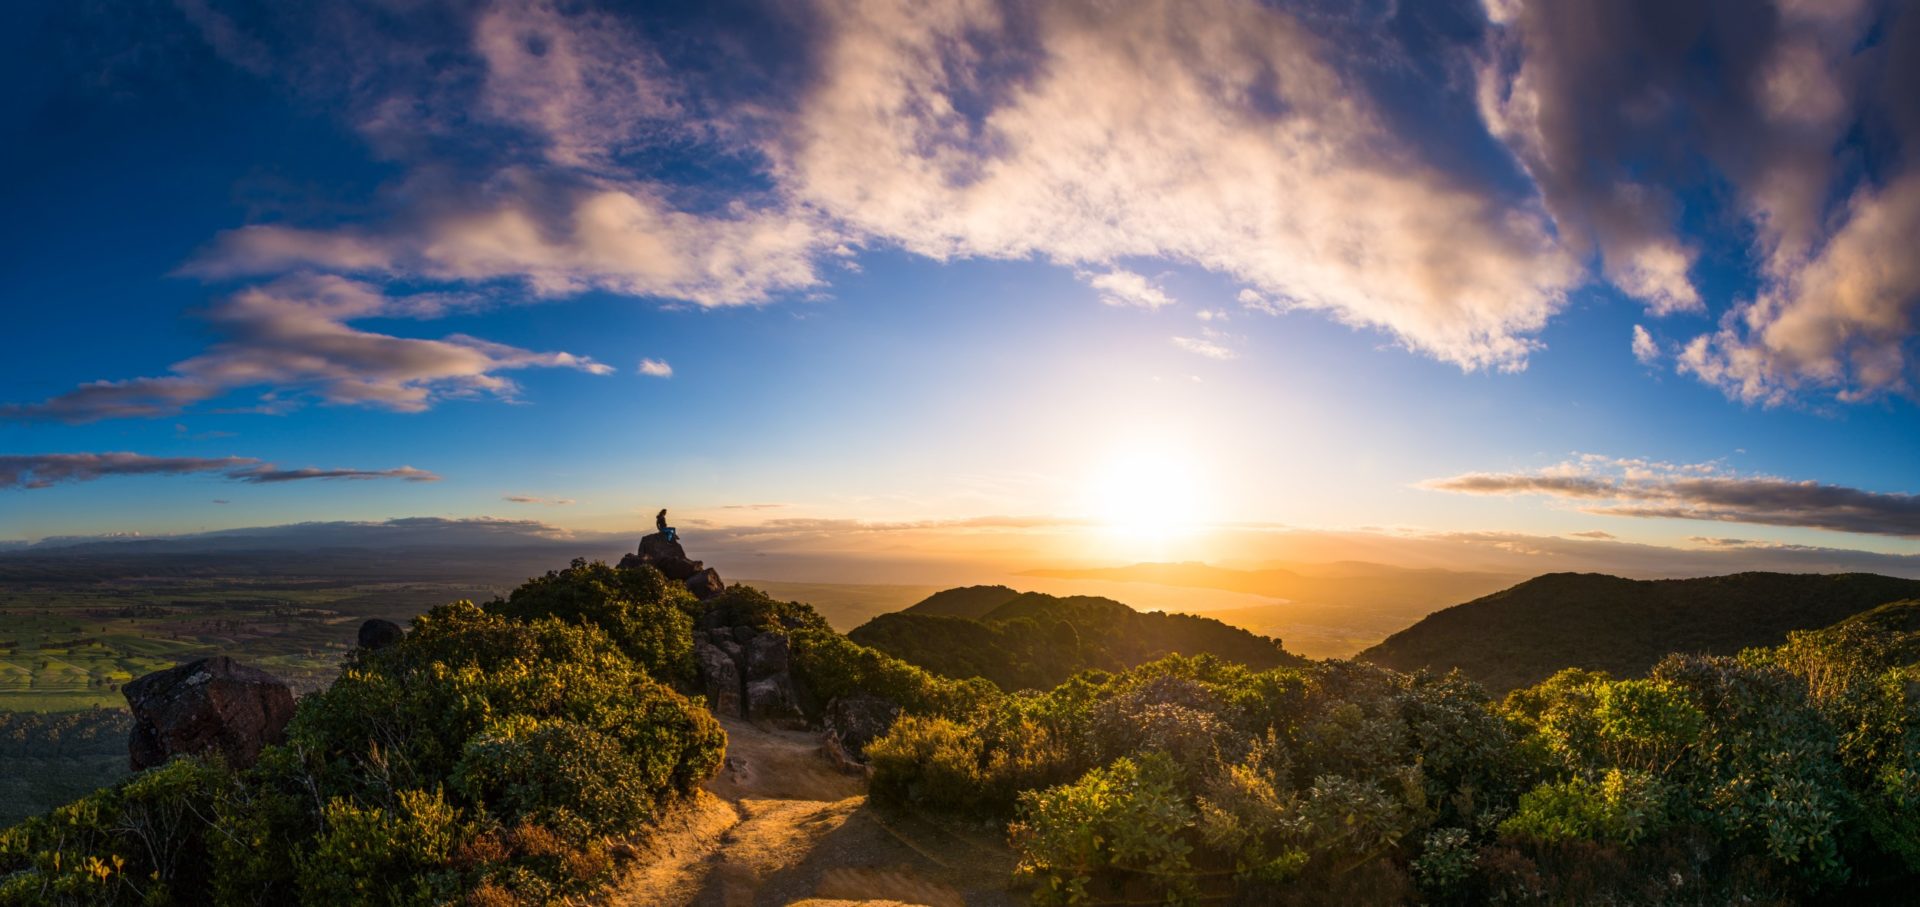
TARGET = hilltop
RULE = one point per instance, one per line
(1031, 640)
(1522, 635)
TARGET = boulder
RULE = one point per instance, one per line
(678, 569)
(657, 547)
(767, 655)
(852, 722)
(378, 634)
(705, 584)
(214, 705)
(772, 699)
(721, 674)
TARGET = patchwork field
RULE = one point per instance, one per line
(68, 645)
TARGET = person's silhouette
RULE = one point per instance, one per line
(660, 523)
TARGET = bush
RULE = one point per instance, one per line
(1131, 818)
(648, 616)
(479, 754)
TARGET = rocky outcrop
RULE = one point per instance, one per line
(378, 634)
(747, 671)
(670, 558)
(705, 584)
(854, 721)
(720, 672)
(214, 705)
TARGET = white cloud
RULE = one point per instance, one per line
(657, 368)
(292, 338)
(1204, 347)
(1614, 108)
(1211, 133)
(1125, 288)
(1645, 349)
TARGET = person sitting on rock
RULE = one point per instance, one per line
(660, 523)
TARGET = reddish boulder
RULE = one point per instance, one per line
(214, 705)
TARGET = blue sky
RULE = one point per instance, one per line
(1199, 265)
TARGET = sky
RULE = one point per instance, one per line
(1114, 280)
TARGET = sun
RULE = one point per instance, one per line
(1142, 492)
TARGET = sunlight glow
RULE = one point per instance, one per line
(1143, 493)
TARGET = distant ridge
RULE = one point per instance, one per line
(971, 602)
(1522, 635)
(1031, 640)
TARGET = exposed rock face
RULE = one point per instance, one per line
(773, 699)
(670, 558)
(706, 584)
(721, 673)
(379, 634)
(768, 654)
(854, 721)
(214, 705)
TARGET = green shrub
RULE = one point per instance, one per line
(143, 841)
(1131, 818)
(648, 616)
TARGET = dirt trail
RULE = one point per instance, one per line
(781, 826)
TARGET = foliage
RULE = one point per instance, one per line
(483, 755)
(1127, 818)
(649, 617)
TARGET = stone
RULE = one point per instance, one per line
(210, 706)
(767, 655)
(721, 675)
(705, 584)
(852, 722)
(772, 699)
(744, 633)
(678, 569)
(378, 634)
(657, 547)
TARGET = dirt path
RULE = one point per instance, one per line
(781, 826)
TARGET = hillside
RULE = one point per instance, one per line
(1525, 634)
(1030, 640)
(1322, 610)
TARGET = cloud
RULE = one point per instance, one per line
(45, 470)
(1645, 350)
(1320, 159)
(531, 499)
(1203, 347)
(1212, 133)
(1597, 534)
(657, 368)
(292, 338)
(1614, 109)
(1125, 288)
(1699, 492)
(558, 236)
(263, 475)
(1218, 134)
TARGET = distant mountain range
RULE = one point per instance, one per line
(1030, 640)
(1522, 635)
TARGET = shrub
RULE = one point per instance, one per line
(648, 616)
(1130, 818)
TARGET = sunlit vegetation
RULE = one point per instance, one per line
(496, 754)
(1776, 776)
(486, 757)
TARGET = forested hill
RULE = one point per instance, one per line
(1522, 635)
(1031, 640)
